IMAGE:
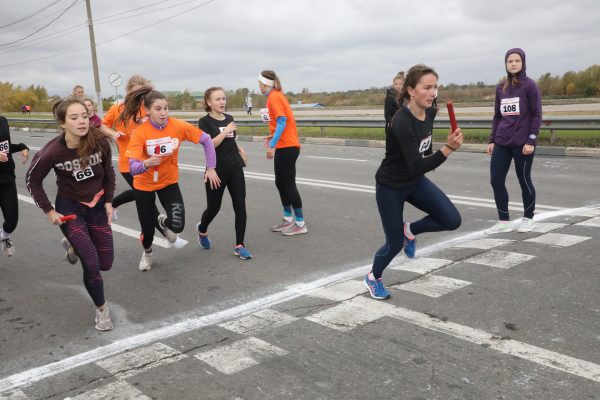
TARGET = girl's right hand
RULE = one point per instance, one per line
(455, 139)
(153, 161)
(490, 148)
(54, 217)
(230, 127)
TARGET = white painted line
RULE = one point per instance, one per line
(484, 244)
(340, 291)
(335, 158)
(590, 222)
(420, 265)
(346, 316)
(545, 227)
(139, 360)
(515, 348)
(115, 390)
(240, 355)
(433, 285)
(245, 307)
(259, 321)
(13, 395)
(557, 239)
(499, 259)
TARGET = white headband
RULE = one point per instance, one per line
(266, 81)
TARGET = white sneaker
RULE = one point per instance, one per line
(526, 225)
(145, 262)
(102, 320)
(500, 227)
(169, 234)
(70, 254)
(8, 248)
(179, 243)
(115, 216)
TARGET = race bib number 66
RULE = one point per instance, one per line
(160, 147)
(82, 174)
(4, 146)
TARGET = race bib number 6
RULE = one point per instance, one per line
(161, 147)
(83, 174)
(510, 106)
(264, 114)
(4, 146)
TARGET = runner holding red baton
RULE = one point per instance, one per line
(69, 217)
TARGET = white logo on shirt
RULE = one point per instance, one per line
(425, 143)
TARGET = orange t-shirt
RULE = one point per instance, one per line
(146, 139)
(110, 120)
(278, 106)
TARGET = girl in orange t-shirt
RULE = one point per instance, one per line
(282, 146)
(153, 153)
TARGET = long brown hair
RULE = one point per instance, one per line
(207, 95)
(414, 75)
(145, 95)
(272, 76)
(88, 144)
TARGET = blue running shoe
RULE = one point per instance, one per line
(410, 247)
(376, 288)
(242, 253)
(203, 240)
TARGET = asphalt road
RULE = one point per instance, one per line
(517, 317)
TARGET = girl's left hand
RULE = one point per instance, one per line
(270, 153)
(24, 155)
(109, 211)
(211, 176)
(528, 149)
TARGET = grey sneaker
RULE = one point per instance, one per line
(102, 320)
(169, 234)
(282, 225)
(500, 227)
(70, 255)
(145, 262)
(294, 229)
(8, 248)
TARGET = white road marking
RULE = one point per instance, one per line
(139, 360)
(557, 239)
(420, 265)
(245, 307)
(484, 244)
(260, 320)
(499, 259)
(545, 227)
(345, 316)
(13, 395)
(339, 291)
(115, 390)
(335, 158)
(240, 355)
(433, 285)
(590, 222)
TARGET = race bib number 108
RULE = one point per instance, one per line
(510, 106)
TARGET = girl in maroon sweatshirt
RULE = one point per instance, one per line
(81, 160)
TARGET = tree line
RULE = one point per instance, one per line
(572, 84)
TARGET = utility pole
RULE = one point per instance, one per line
(94, 58)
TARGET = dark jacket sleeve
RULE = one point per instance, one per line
(535, 107)
(496, 118)
(38, 170)
(14, 148)
(109, 182)
(409, 144)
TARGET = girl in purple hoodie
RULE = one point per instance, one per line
(515, 129)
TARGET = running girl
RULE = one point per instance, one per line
(81, 160)
(95, 120)
(9, 202)
(231, 159)
(153, 153)
(282, 145)
(401, 176)
(391, 98)
(515, 129)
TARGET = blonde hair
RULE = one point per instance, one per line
(137, 80)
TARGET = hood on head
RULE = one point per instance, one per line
(521, 53)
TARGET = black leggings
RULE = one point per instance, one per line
(9, 203)
(285, 176)
(499, 166)
(128, 196)
(236, 184)
(171, 199)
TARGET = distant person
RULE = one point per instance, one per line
(249, 104)
(401, 177)
(391, 104)
(95, 120)
(78, 92)
(24, 109)
(82, 161)
(282, 145)
(28, 109)
(9, 202)
(231, 159)
(515, 130)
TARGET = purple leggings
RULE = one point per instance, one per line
(91, 237)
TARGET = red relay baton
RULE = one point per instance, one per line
(69, 217)
(156, 153)
(451, 115)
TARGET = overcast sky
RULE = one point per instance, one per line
(322, 45)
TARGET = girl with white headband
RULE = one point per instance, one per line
(282, 146)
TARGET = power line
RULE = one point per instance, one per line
(43, 27)
(33, 14)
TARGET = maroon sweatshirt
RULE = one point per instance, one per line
(73, 182)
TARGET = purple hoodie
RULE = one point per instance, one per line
(518, 111)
